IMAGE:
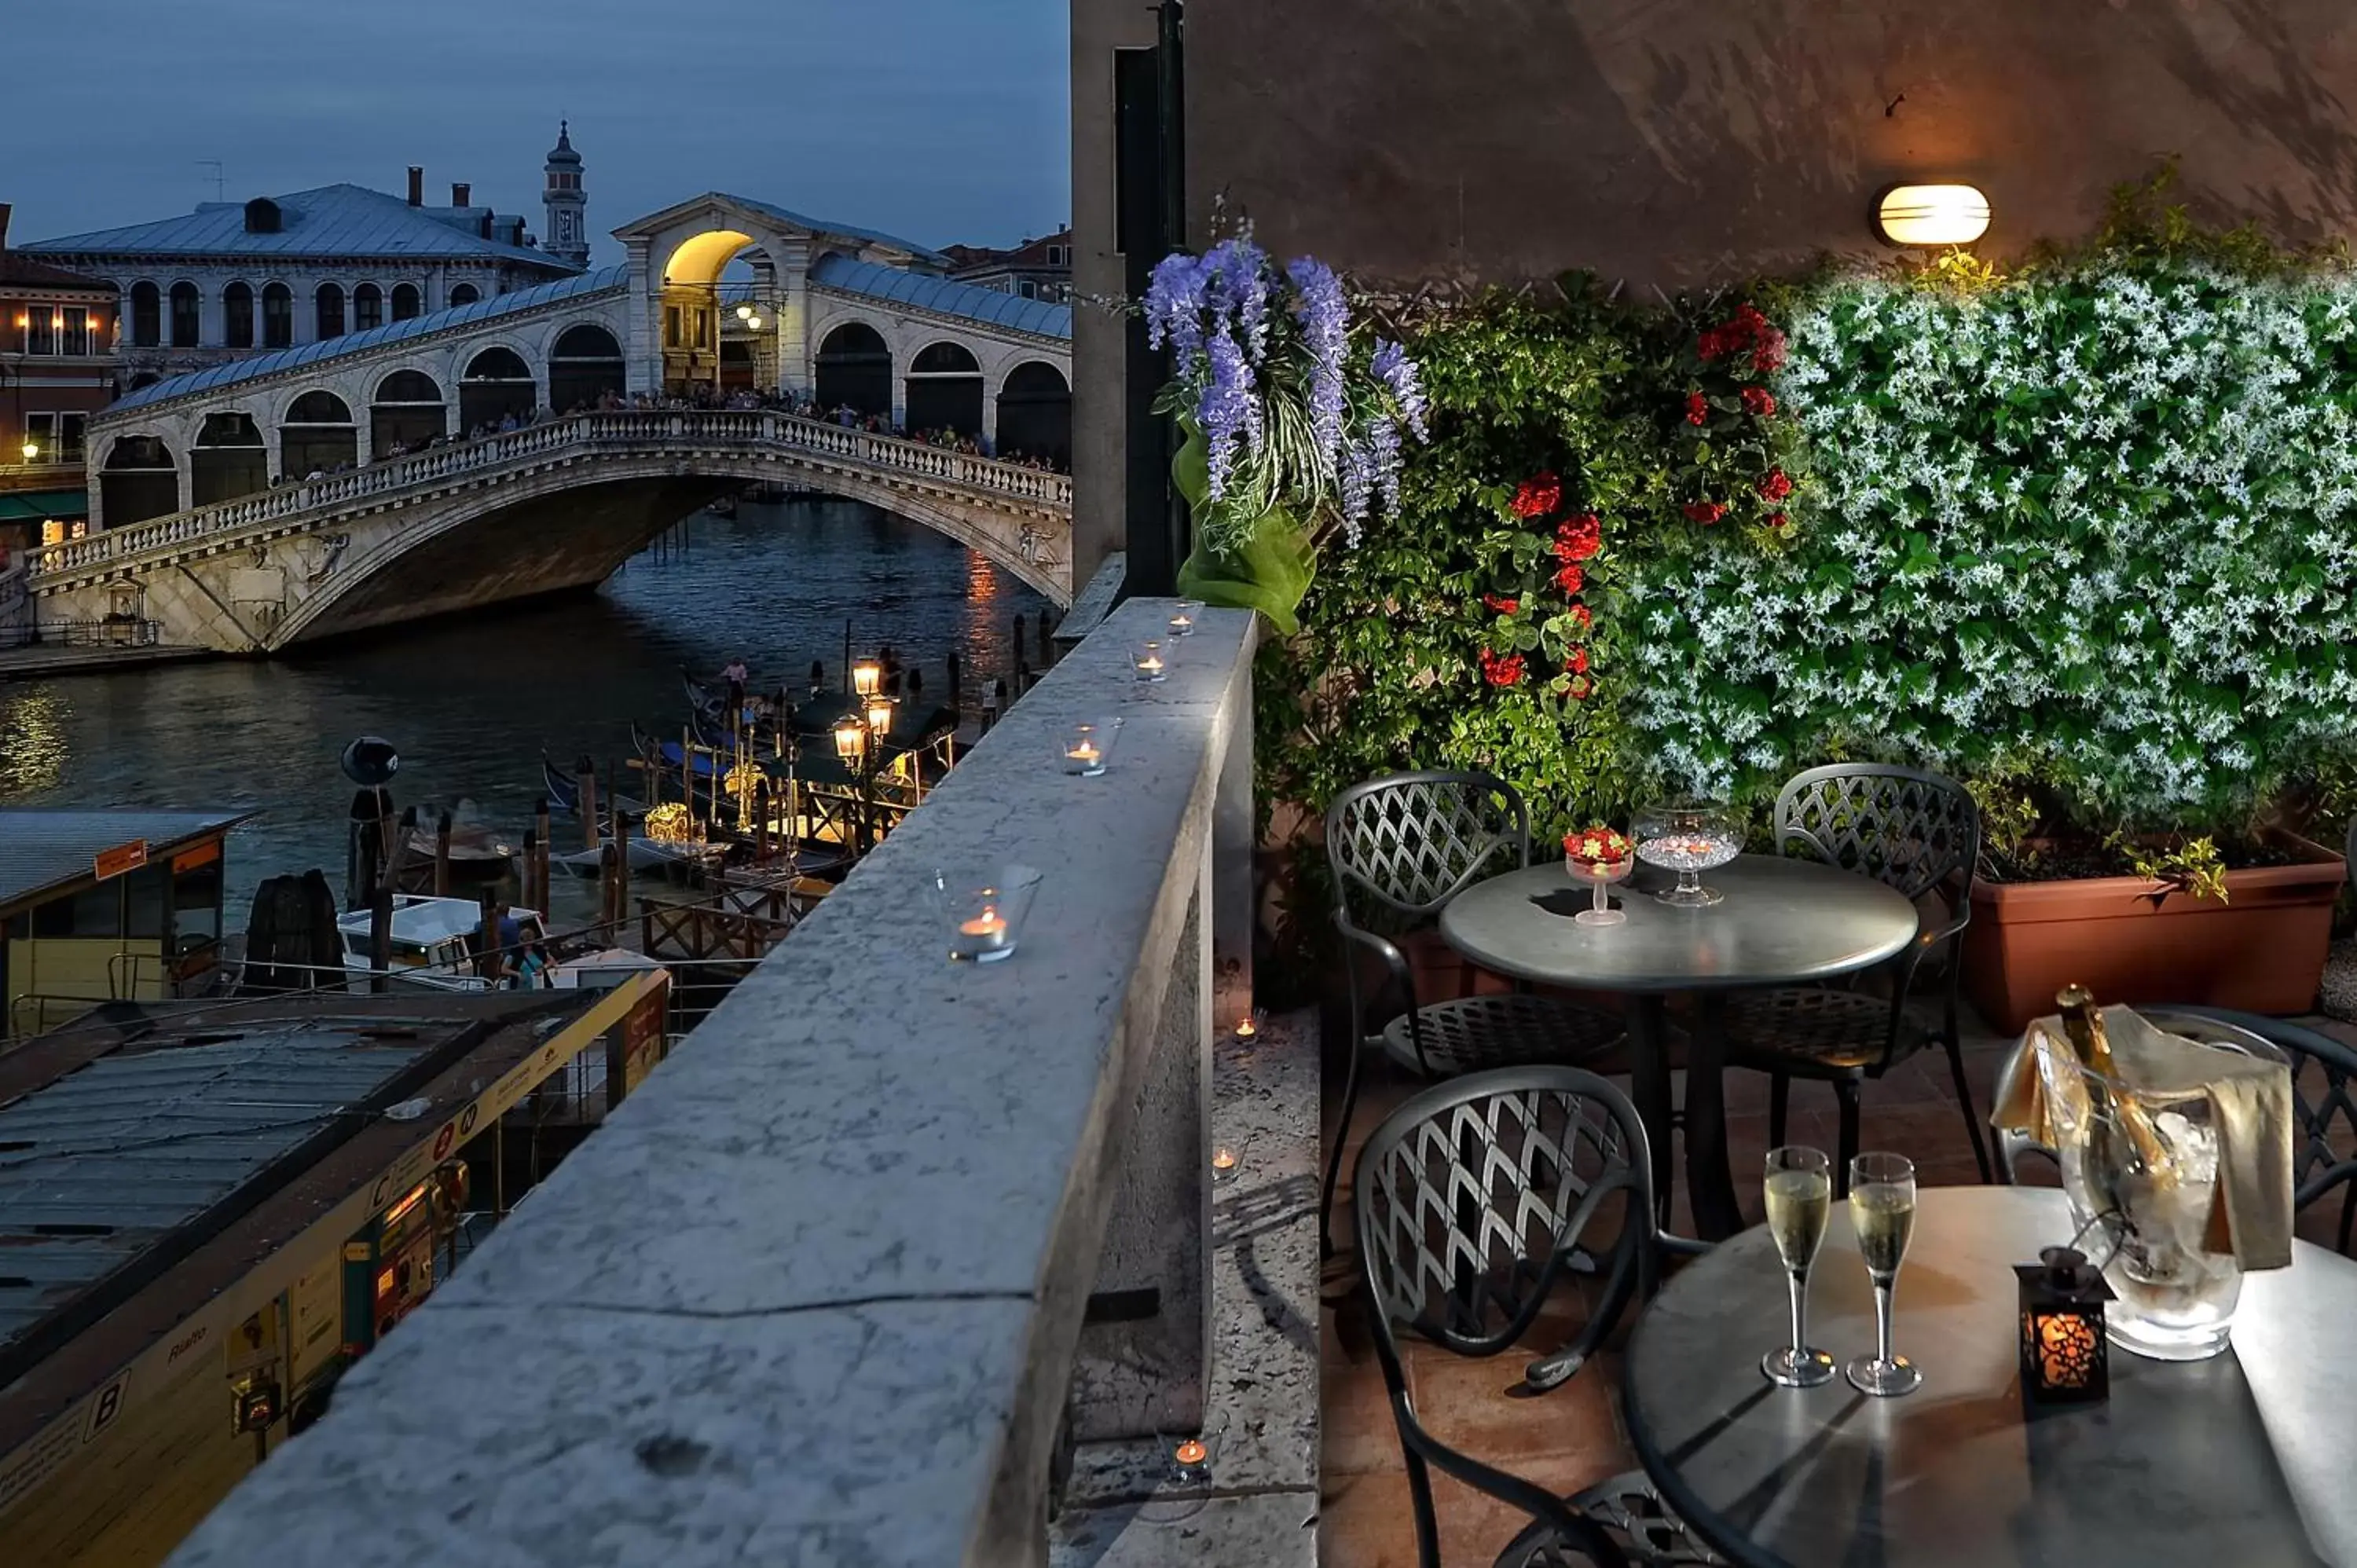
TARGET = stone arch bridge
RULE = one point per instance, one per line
(552, 505)
(531, 442)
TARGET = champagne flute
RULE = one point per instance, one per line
(1799, 1191)
(1883, 1212)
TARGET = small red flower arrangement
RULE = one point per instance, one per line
(1759, 401)
(1505, 605)
(1501, 672)
(1596, 846)
(1704, 512)
(1698, 408)
(1775, 486)
(1746, 331)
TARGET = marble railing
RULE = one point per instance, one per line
(838, 1282)
(621, 431)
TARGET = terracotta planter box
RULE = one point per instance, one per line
(2262, 951)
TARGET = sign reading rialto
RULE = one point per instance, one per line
(122, 857)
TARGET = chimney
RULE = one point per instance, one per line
(416, 186)
(459, 192)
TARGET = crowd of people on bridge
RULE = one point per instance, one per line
(697, 399)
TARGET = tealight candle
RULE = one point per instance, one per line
(1087, 748)
(1223, 1164)
(1191, 1453)
(987, 930)
(1248, 1026)
(1182, 621)
(1148, 659)
(983, 912)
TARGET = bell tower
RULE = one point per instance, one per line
(566, 236)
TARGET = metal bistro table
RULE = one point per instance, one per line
(2242, 1459)
(1783, 922)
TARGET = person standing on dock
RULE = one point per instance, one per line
(736, 675)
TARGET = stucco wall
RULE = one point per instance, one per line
(1678, 141)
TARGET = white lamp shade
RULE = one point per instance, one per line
(1933, 214)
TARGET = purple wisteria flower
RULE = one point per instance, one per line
(1326, 334)
(1358, 481)
(1236, 277)
(1383, 448)
(1174, 307)
(1392, 367)
(1227, 409)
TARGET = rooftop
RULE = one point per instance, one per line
(331, 220)
(40, 849)
(824, 226)
(20, 269)
(101, 1163)
(497, 306)
(942, 297)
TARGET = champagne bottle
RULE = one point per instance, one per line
(2112, 1105)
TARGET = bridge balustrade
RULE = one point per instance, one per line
(627, 428)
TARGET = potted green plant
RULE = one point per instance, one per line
(2233, 917)
(1291, 421)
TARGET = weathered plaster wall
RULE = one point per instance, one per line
(1680, 141)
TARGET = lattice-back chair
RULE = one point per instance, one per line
(2325, 1155)
(1919, 834)
(1473, 1199)
(1400, 848)
(2337, 995)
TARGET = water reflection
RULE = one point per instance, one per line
(471, 703)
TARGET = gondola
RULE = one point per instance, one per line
(565, 793)
(666, 754)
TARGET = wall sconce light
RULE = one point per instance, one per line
(743, 313)
(754, 322)
(1910, 215)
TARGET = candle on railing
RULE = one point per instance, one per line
(1088, 747)
(1225, 1161)
(1182, 620)
(1149, 662)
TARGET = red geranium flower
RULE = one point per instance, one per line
(1506, 671)
(1775, 486)
(1705, 512)
(1777, 519)
(1504, 604)
(1698, 408)
(1579, 688)
(1537, 496)
(1571, 579)
(1760, 401)
(1580, 618)
(1579, 538)
(1578, 664)
(1768, 352)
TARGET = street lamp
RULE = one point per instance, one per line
(754, 322)
(32, 449)
(866, 677)
(847, 738)
(743, 313)
(880, 715)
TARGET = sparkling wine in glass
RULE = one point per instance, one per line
(1799, 1192)
(1883, 1212)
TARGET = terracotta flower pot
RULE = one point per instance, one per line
(2133, 940)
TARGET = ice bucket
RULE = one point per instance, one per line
(2175, 1299)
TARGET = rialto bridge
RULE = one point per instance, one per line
(533, 441)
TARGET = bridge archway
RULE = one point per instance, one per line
(140, 479)
(229, 460)
(496, 383)
(854, 367)
(1035, 414)
(585, 364)
(945, 389)
(317, 436)
(406, 411)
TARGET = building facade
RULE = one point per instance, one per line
(1035, 269)
(57, 368)
(238, 278)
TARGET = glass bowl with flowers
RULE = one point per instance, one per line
(1599, 856)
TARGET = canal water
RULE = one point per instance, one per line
(471, 702)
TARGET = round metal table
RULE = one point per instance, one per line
(2242, 1459)
(1782, 922)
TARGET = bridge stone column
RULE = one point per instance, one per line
(792, 263)
(642, 344)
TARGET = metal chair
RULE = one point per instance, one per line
(1916, 832)
(2321, 1070)
(1473, 1198)
(1406, 845)
(2336, 992)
